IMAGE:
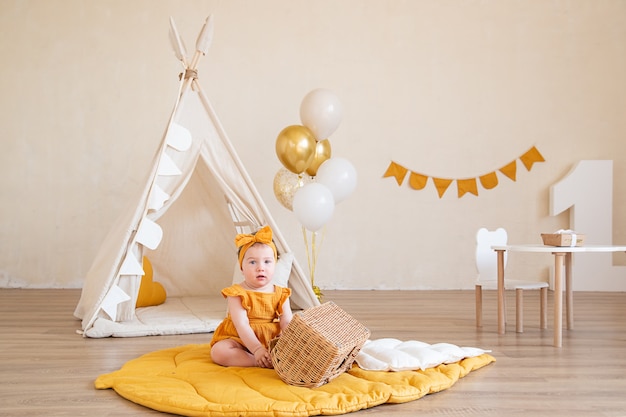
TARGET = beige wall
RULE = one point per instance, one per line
(448, 88)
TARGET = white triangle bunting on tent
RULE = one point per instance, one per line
(114, 297)
(178, 137)
(167, 166)
(131, 266)
(149, 234)
(157, 198)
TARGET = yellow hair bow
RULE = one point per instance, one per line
(245, 241)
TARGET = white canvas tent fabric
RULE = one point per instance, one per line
(196, 198)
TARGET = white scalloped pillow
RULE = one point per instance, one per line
(281, 273)
(390, 354)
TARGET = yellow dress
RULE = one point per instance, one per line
(264, 310)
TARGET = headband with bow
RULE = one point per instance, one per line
(245, 241)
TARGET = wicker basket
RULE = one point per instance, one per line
(318, 345)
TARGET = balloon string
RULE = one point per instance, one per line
(306, 247)
(317, 248)
(314, 256)
(311, 254)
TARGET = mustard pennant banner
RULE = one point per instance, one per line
(488, 181)
(396, 171)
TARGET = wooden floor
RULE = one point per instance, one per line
(47, 369)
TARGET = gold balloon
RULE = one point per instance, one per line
(295, 148)
(322, 153)
(286, 184)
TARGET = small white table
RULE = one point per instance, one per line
(562, 258)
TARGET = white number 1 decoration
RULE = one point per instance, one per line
(588, 190)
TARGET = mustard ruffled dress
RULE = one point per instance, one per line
(264, 310)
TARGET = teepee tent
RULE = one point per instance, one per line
(197, 196)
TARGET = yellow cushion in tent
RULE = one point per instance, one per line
(184, 381)
(150, 293)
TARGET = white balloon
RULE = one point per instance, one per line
(339, 175)
(313, 206)
(321, 111)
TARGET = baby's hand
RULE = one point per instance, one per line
(262, 357)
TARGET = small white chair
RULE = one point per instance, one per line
(486, 265)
